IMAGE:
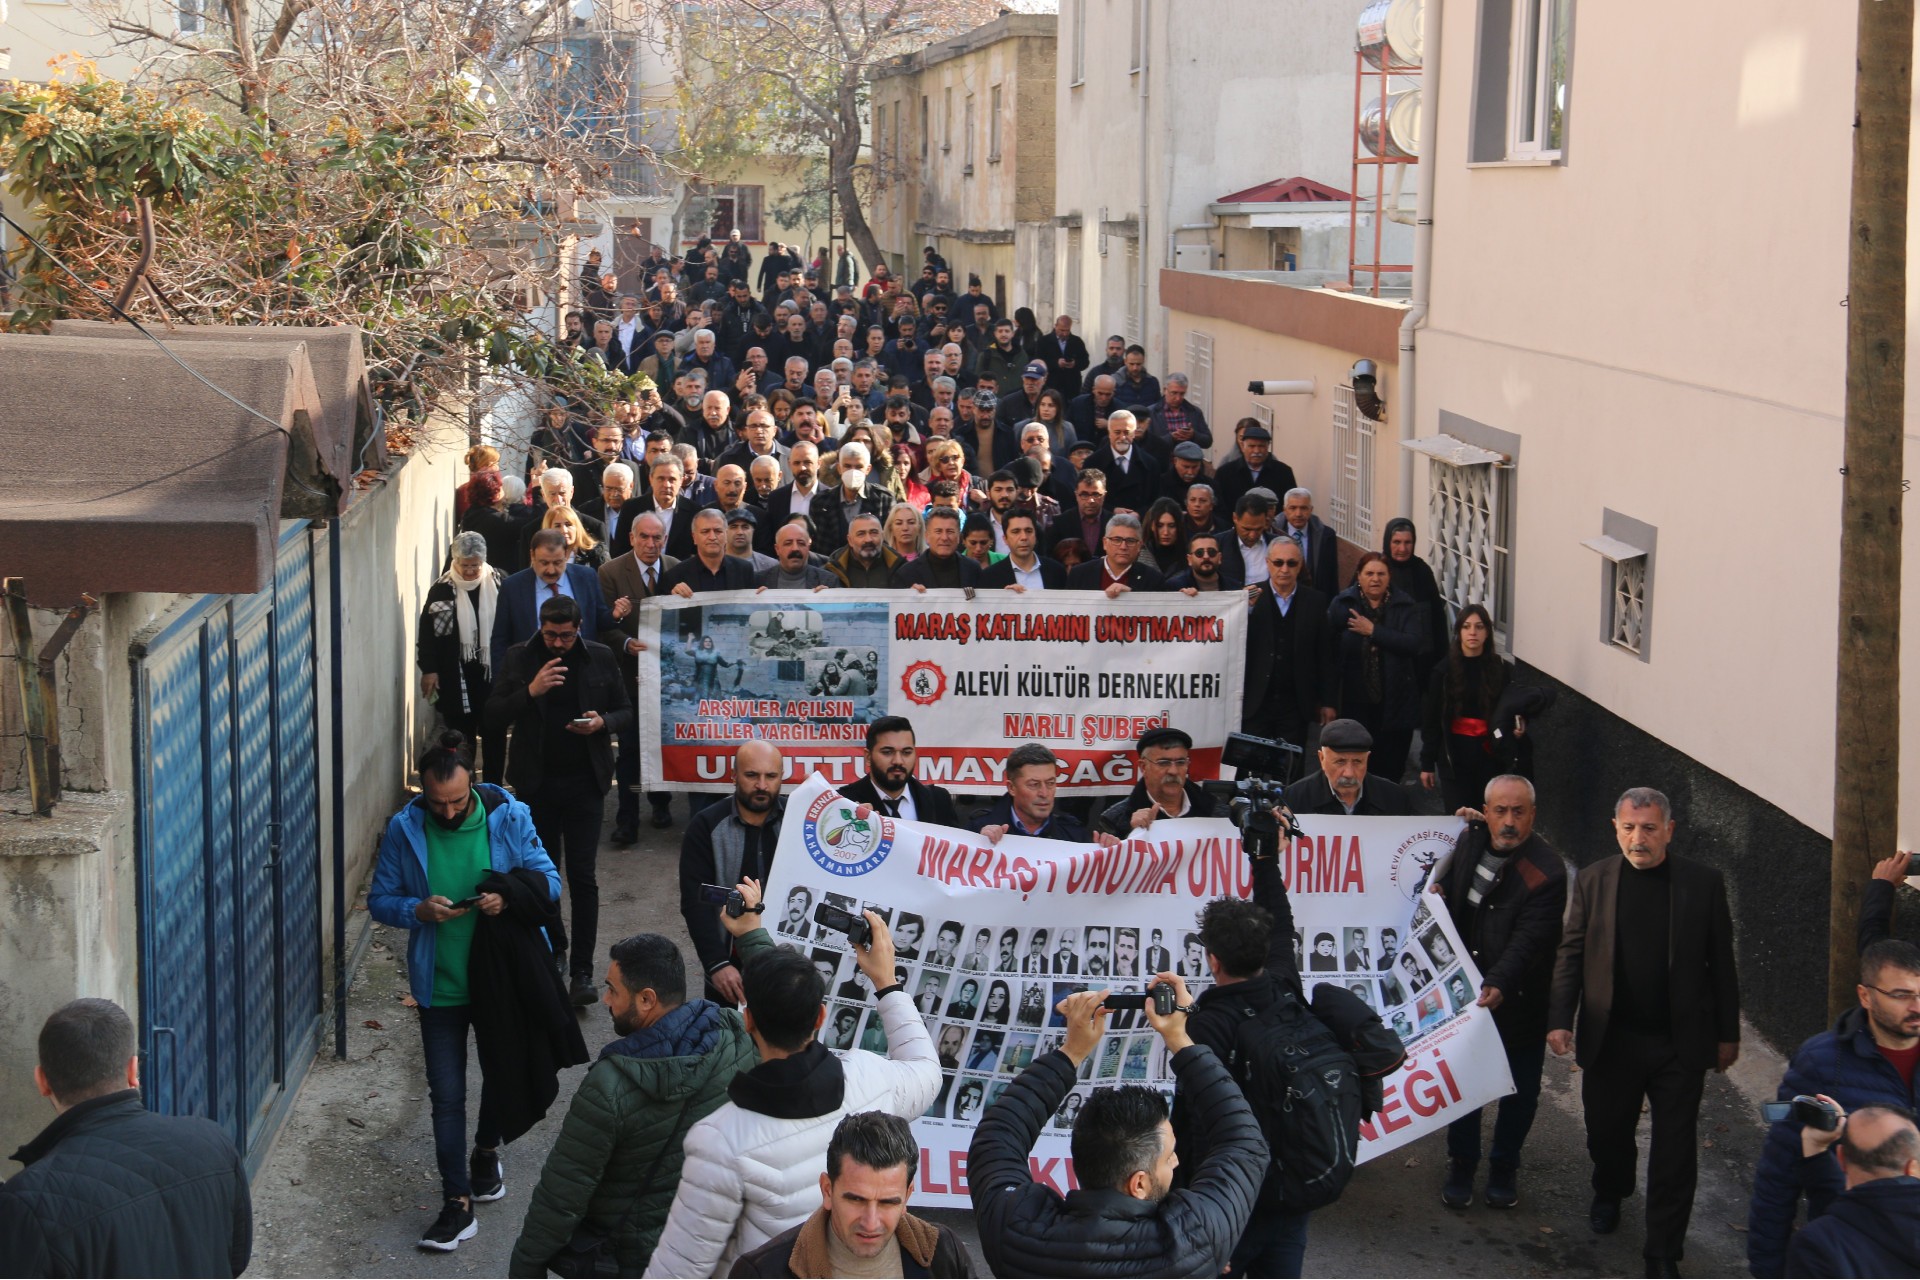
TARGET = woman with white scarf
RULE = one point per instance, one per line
(453, 654)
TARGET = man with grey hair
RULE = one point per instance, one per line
(1133, 474)
(720, 370)
(855, 495)
(635, 575)
(696, 486)
(1177, 420)
(1120, 569)
(109, 1187)
(763, 478)
(1646, 998)
(674, 508)
(709, 568)
(556, 490)
(1315, 540)
(1506, 889)
(616, 489)
(713, 432)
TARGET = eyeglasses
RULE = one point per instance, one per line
(1286, 564)
(1205, 553)
(1167, 762)
(1898, 997)
(1122, 539)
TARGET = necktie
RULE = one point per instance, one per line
(1122, 460)
(553, 591)
(650, 590)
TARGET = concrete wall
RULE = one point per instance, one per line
(1234, 93)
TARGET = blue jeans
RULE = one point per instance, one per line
(443, 1034)
(1275, 1244)
(1515, 1117)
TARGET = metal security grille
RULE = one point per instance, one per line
(1353, 440)
(228, 824)
(1470, 540)
(1200, 371)
(1629, 603)
(1132, 327)
(1075, 247)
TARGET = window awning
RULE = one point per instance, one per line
(1613, 549)
(1455, 452)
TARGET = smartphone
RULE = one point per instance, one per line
(720, 896)
(583, 721)
(465, 903)
(858, 931)
(1162, 994)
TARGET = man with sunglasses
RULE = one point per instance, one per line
(1164, 789)
(1206, 570)
(1289, 683)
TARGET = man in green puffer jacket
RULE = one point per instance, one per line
(614, 1168)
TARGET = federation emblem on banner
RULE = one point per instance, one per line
(1414, 859)
(841, 841)
(924, 683)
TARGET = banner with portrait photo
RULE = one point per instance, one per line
(808, 671)
(990, 938)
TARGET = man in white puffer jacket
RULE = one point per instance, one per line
(752, 1167)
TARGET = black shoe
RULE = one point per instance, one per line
(1503, 1186)
(624, 835)
(454, 1224)
(582, 991)
(1458, 1191)
(487, 1176)
(1662, 1267)
(1604, 1216)
(662, 816)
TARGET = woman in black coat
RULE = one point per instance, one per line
(1414, 576)
(1166, 539)
(1379, 641)
(456, 624)
(1458, 751)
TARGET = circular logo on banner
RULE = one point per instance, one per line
(841, 841)
(924, 683)
(1415, 859)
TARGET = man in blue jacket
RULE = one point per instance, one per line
(1867, 1060)
(1873, 1227)
(435, 852)
(517, 616)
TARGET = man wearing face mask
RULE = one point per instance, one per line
(564, 698)
(614, 1168)
(857, 495)
(434, 854)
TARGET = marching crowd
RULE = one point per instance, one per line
(773, 432)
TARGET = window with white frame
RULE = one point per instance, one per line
(946, 119)
(993, 126)
(1353, 452)
(1470, 540)
(1537, 111)
(1137, 57)
(1079, 40)
(1200, 371)
(1076, 246)
(967, 148)
(1625, 547)
(1262, 414)
(1132, 326)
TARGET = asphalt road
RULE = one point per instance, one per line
(351, 1181)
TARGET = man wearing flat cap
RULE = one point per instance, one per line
(1256, 467)
(1342, 786)
(1164, 790)
(1188, 468)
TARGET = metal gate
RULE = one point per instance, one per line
(227, 825)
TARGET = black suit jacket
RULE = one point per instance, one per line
(1703, 988)
(1379, 798)
(1053, 574)
(932, 804)
(1323, 555)
(510, 704)
(736, 574)
(680, 536)
(1086, 577)
(1050, 349)
(1069, 525)
(1135, 490)
(778, 508)
(626, 359)
(1310, 681)
(1232, 479)
(916, 571)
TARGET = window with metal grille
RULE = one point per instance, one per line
(993, 127)
(1629, 604)
(1470, 543)
(1263, 414)
(967, 148)
(1353, 440)
(1200, 371)
(1133, 290)
(1080, 40)
(1076, 246)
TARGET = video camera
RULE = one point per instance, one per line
(1262, 765)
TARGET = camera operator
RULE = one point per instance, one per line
(1868, 1229)
(1126, 1218)
(1866, 1060)
(1164, 790)
(1343, 786)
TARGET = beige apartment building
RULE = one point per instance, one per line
(963, 149)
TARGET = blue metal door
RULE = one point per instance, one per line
(228, 818)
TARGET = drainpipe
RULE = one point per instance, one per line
(1146, 62)
(1416, 316)
(336, 646)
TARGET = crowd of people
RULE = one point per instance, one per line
(777, 433)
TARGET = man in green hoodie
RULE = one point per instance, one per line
(613, 1170)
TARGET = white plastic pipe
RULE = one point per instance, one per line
(1283, 387)
(1416, 315)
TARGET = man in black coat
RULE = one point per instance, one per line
(1164, 789)
(1868, 1229)
(1029, 807)
(709, 568)
(110, 1188)
(1506, 889)
(1255, 468)
(1023, 565)
(1132, 472)
(1119, 570)
(1317, 542)
(1342, 785)
(941, 564)
(1126, 1219)
(1065, 356)
(890, 786)
(724, 842)
(564, 700)
(1647, 1020)
(1289, 682)
(665, 496)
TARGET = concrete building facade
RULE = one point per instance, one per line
(962, 135)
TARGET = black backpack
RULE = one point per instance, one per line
(1305, 1091)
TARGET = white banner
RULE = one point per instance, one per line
(978, 673)
(990, 938)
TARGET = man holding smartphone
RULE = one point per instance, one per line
(724, 842)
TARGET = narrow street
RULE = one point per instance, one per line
(351, 1181)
